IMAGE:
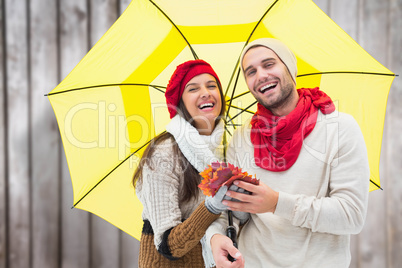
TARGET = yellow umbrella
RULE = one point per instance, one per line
(112, 103)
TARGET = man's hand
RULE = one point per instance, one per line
(221, 247)
(262, 198)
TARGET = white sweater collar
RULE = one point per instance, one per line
(200, 150)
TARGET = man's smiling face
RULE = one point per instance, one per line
(268, 79)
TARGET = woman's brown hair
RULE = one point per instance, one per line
(192, 178)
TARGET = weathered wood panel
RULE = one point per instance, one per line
(45, 146)
(104, 236)
(373, 36)
(346, 14)
(19, 242)
(40, 43)
(393, 140)
(75, 225)
(347, 19)
(3, 148)
(129, 245)
(129, 251)
(323, 4)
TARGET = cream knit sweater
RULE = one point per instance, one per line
(162, 181)
(322, 198)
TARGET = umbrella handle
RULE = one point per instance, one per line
(231, 233)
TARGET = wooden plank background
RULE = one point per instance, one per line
(40, 43)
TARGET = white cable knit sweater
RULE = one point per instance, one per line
(322, 199)
(161, 186)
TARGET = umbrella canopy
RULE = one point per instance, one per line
(112, 103)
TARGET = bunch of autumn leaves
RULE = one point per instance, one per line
(220, 174)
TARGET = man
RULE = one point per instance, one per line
(313, 169)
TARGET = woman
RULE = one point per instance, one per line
(175, 214)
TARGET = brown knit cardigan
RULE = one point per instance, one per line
(180, 246)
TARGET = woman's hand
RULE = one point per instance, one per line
(214, 204)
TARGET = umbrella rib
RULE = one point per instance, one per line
(174, 25)
(251, 34)
(239, 108)
(160, 90)
(242, 111)
(128, 157)
(234, 87)
(258, 23)
(340, 72)
(376, 184)
(231, 78)
(106, 85)
(227, 130)
(240, 95)
(245, 44)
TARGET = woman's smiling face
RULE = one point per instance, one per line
(202, 99)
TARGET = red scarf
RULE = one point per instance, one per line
(278, 140)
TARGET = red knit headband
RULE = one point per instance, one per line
(184, 73)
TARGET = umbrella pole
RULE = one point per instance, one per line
(231, 233)
(230, 230)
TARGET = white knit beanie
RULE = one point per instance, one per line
(280, 49)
